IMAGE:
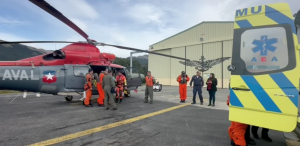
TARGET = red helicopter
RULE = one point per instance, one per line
(63, 71)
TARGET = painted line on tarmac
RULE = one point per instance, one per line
(105, 127)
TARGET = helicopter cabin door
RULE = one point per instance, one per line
(265, 70)
(75, 76)
(133, 79)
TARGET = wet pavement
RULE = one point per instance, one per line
(166, 122)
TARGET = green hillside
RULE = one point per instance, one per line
(13, 52)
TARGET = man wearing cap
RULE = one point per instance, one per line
(88, 88)
(182, 80)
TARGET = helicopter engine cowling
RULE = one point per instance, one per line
(108, 56)
(59, 54)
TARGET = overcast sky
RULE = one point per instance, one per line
(132, 23)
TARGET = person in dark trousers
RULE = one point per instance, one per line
(264, 133)
(212, 83)
(198, 84)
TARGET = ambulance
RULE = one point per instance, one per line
(265, 69)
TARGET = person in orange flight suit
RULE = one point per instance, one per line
(101, 97)
(182, 80)
(237, 131)
(121, 84)
(88, 88)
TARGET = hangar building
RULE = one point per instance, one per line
(213, 40)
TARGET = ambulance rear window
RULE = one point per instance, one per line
(264, 49)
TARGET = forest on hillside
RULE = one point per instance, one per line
(137, 66)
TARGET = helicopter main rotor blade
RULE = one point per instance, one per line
(18, 42)
(51, 10)
(140, 50)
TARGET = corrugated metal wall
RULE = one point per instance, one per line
(215, 35)
(209, 31)
(160, 66)
(227, 46)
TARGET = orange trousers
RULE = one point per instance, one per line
(119, 90)
(88, 97)
(101, 97)
(237, 132)
(182, 91)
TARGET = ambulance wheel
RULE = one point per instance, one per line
(69, 98)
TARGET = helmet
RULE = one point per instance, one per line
(183, 72)
(121, 71)
(90, 70)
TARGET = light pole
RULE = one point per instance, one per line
(131, 60)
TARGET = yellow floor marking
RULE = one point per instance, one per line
(105, 127)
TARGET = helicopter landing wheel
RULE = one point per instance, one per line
(69, 98)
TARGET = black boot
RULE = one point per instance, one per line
(267, 138)
(250, 141)
(120, 101)
(151, 101)
(116, 100)
(232, 143)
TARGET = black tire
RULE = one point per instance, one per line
(69, 98)
(160, 85)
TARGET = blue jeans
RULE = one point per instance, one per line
(212, 96)
(199, 90)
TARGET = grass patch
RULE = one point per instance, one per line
(8, 91)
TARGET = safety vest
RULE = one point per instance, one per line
(149, 81)
(88, 83)
(120, 80)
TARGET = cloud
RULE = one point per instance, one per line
(146, 13)
(6, 20)
(121, 22)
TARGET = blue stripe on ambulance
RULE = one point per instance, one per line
(279, 18)
(260, 94)
(244, 23)
(286, 86)
(234, 100)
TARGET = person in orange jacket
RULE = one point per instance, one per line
(182, 80)
(101, 97)
(237, 132)
(121, 84)
(88, 88)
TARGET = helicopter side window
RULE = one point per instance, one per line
(80, 71)
(128, 75)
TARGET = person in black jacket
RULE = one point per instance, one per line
(198, 84)
(212, 83)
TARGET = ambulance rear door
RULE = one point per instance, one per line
(265, 80)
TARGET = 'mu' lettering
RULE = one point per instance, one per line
(244, 12)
